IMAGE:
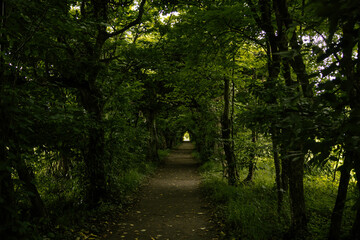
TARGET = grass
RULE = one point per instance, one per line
(81, 223)
(249, 212)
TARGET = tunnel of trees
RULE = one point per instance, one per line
(92, 92)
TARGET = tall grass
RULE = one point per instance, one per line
(249, 211)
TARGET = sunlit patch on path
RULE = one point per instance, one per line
(171, 205)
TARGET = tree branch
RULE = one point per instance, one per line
(131, 24)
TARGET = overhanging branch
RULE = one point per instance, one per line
(131, 24)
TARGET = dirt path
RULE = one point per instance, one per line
(171, 205)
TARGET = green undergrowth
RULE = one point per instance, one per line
(163, 153)
(69, 217)
(249, 211)
(78, 222)
(75, 220)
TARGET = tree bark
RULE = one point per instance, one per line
(297, 197)
(226, 135)
(278, 181)
(250, 175)
(94, 154)
(337, 213)
(38, 209)
(349, 69)
(284, 161)
(152, 154)
(295, 164)
(91, 97)
(8, 211)
(273, 48)
(355, 231)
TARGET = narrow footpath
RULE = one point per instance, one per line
(170, 206)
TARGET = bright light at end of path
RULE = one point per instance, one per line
(186, 137)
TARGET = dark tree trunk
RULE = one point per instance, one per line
(226, 135)
(355, 157)
(295, 165)
(94, 154)
(278, 181)
(92, 99)
(170, 138)
(152, 154)
(27, 177)
(355, 231)
(350, 69)
(8, 211)
(64, 162)
(297, 197)
(94, 158)
(336, 216)
(251, 169)
(284, 161)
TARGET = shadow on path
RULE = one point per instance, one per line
(170, 206)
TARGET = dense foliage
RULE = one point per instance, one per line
(92, 90)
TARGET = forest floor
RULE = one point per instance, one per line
(170, 206)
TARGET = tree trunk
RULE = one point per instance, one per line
(337, 213)
(250, 175)
(37, 205)
(152, 154)
(284, 161)
(355, 231)
(350, 69)
(94, 154)
(8, 211)
(226, 135)
(278, 181)
(95, 166)
(297, 198)
(64, 162)
(296, 165)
